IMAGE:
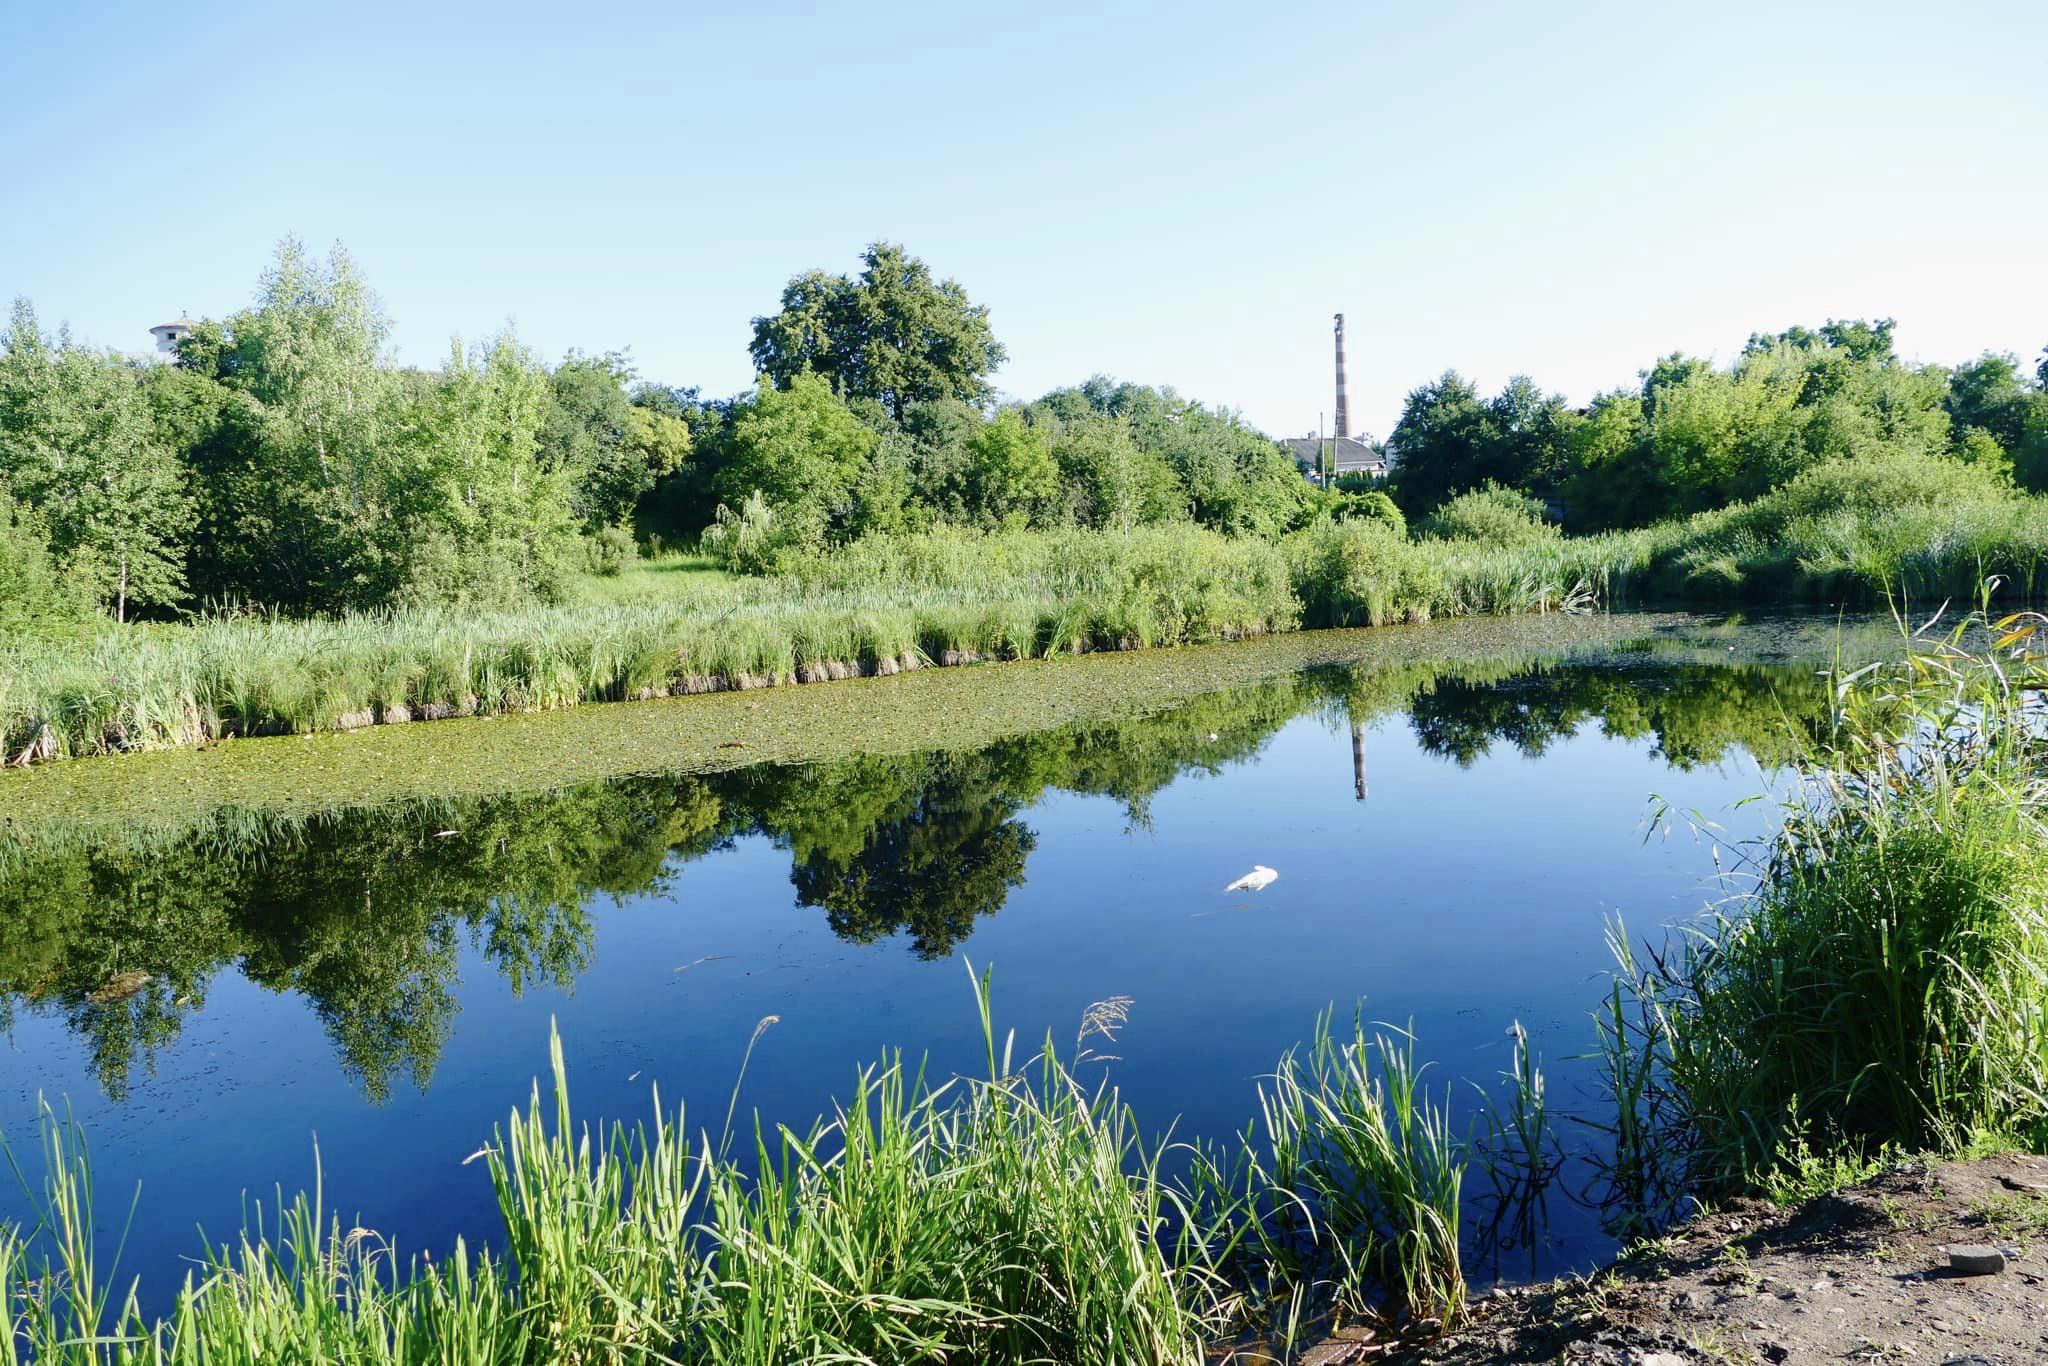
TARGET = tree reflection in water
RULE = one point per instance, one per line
(365, 912)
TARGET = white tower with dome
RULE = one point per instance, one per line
(169, 334)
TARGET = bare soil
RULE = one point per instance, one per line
(1860, 1275)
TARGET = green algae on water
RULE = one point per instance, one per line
(291, 778)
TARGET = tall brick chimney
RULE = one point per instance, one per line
(1343, 403)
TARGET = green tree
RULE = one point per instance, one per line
(1233, 478)
(1111, 481)
(935, 437)
(1010, 472)
(802, 450)
(321, 489)
(331, 479)
(1792, 401)
(1859, 341)
(1610, 478)
(654, 445)
(1718, 436)
(2030, 461)
(894, 334)
(613, 449)
(1449, 442)
(33, 596)
(78, 444)
(1532, 438)
(679, 504)
(1990, 394)
(311, 350)
(501, 525)
(1439, 442)
(1669, 372)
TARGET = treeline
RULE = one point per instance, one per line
(285, 462)
(1694, 437)
(788, 469)
(874, 414)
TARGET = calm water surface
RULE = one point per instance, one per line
(1451, 845)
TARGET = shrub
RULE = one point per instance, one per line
(1877, 486)
(32, 594)
(1875, 526)
(1491, 516)
(1363, 573)
(609, 552)
(749, 541)
(1370, 506)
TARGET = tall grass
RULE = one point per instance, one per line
(1871, 531)
(877, 607)
(1353, 1179)
(943, 599)
(1013, 1217)
(1886, 983)
(950, 596)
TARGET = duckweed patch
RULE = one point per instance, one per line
(289, 778)
(295, 776)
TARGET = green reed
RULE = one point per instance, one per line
(952, 596)
(929, 601)
(1885, 985)
(1016, 1216)
(1351, 1180)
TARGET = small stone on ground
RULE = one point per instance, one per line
(1976, 1259)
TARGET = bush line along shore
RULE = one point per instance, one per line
(1839, 534)
(280, 528)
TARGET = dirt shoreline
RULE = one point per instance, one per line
(1859, 1275)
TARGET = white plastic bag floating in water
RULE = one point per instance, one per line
(1257, 880)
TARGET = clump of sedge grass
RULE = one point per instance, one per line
(1345, 1193)
(1886, 984)
(1013, 1217)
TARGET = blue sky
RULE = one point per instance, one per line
(1178, 194)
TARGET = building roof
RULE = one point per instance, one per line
(1349, 455)
(181, 322)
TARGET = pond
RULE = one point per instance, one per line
(239, 990)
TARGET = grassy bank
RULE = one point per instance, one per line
(289, 779)
(171, 685)
(1884, 988)
(1866, 533)
(1919, 532)
(1017, 1216)
(887, 605)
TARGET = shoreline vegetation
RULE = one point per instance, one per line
(281, 530)
(892, 604)
(946, 709)
(174, 791)
(1021, 1214)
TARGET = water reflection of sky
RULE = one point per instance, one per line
(1460, 896)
